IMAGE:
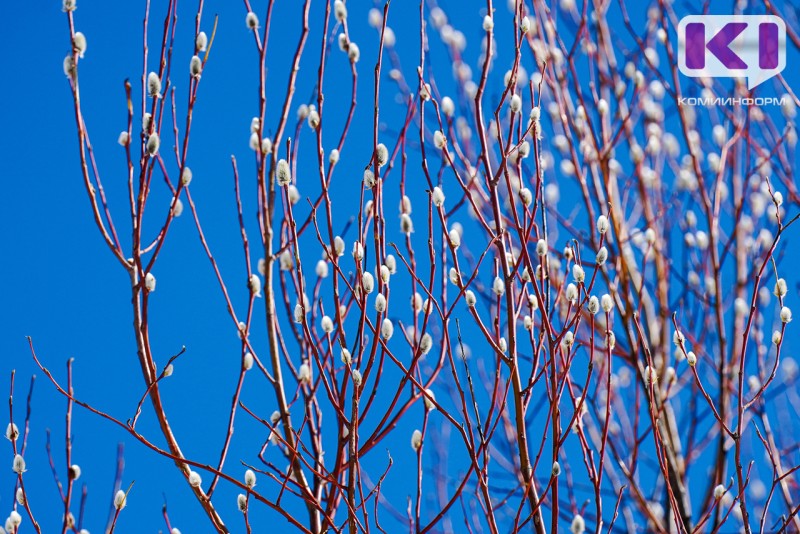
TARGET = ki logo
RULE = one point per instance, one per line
(748, 46)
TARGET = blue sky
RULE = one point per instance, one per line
(64, 289)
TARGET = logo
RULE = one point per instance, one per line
(747, 46)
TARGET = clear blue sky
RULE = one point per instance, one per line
(62, 287)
